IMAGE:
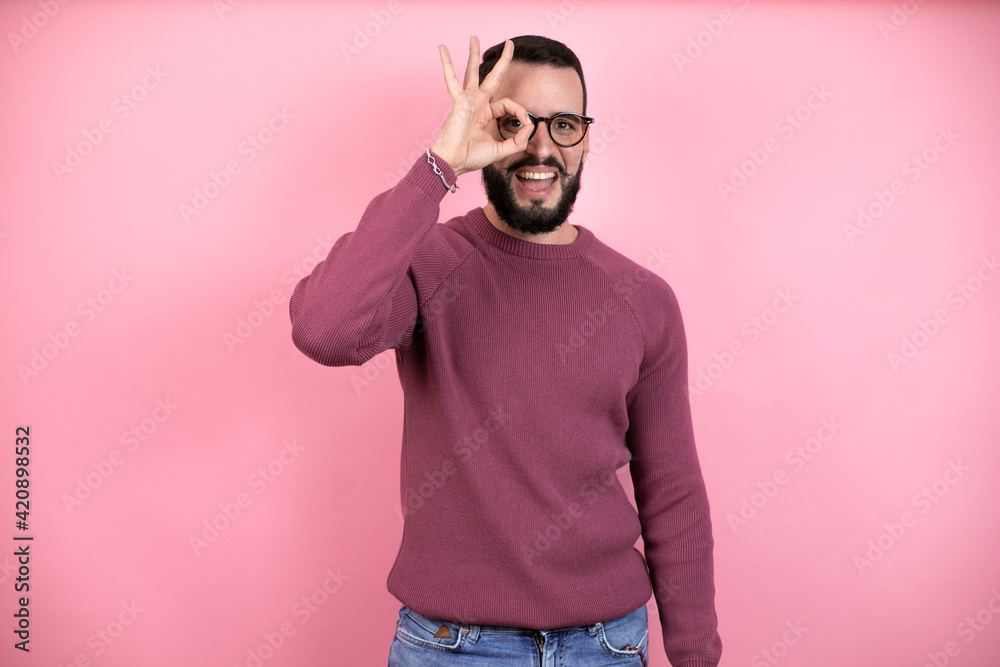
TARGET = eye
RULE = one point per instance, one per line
(569, 123)
(510, 123)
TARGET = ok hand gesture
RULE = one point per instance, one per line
(466, 142)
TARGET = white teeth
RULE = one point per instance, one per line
(536, 176)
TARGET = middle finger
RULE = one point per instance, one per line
(472, 68)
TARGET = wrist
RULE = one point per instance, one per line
(443, 170)
(446, 157)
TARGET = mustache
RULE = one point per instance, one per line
(535, 163)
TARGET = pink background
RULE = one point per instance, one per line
(668, 132)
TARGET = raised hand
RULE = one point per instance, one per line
(466, 142)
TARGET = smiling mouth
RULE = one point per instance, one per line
(536, 184)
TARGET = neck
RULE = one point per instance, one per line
(564, 234)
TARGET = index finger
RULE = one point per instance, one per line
(492, 80)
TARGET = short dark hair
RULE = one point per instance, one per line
(536, 50)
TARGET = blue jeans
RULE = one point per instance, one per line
(620, 642)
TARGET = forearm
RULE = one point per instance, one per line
(358, 301)
(670, 491)
(679, 551)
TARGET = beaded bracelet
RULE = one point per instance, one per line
(433, 163)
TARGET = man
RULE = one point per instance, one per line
(535, 361)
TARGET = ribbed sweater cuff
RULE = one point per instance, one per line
(422, 177)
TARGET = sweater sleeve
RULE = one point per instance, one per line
(361, 300)
(669, 488)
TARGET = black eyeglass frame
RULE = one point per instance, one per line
(587, 120)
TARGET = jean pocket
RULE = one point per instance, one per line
(626, 636)
(429, 633)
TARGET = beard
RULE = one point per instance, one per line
(533, 218)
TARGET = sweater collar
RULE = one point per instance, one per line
(485, 230)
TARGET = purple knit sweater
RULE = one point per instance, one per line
(531, 373)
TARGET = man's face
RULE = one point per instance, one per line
(544, 91)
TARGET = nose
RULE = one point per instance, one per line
(540, 144)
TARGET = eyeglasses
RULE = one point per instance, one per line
(565, 129)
